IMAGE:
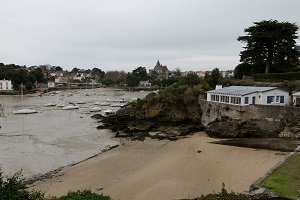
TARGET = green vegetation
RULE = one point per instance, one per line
(276, 77)
(270, 48)
(285, 181)
(271, 42)
(13, 188)
(83, 195)
(225, 195)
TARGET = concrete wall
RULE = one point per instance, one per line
(213, 111)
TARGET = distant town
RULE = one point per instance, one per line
(47, 76)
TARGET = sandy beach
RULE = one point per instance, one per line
(165, 170)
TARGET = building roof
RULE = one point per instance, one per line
(296, 94)
(160, 67)
(157, 66)
(241, 90)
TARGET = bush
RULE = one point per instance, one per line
(275, 77)
(224, 195)
(83, 195)
(13, 188)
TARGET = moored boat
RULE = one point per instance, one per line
(70, 107)
(25, 111)
(109, 112)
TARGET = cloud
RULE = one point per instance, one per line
(125, 34)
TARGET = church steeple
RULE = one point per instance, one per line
(158, 64)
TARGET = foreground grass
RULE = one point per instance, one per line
(285, 180)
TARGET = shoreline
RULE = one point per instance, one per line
(137, 170)
(51, 174)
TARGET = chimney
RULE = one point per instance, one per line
(219, 87)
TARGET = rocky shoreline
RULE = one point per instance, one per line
(219, 121)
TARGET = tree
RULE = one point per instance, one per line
(75, 70)
(191, 79)
(270, 42)
(97, 74)
(214, 78)
(243, 69)
(132, 80)
(137, 75)
(58, 69)
(114, 78)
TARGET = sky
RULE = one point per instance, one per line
(190, 35)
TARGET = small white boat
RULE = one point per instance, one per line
(117, 105)
(109, 112)
(70, 107)
(50, 104)
(81, 102)
(102, 103)
(25, 111)
(61, 105)
(95, 109)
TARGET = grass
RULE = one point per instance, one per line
(285, 180)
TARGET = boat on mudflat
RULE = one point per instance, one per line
(25, 111)
(70, 107)
(109, 112)
(102, 103)
(95, 109)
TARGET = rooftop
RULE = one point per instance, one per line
(241, 90)
(296, 94)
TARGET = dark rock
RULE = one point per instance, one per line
(229, 127)
(97, 116)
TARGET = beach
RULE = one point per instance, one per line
(154, 169)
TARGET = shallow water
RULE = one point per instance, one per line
(52, 138)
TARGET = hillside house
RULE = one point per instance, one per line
(79, 77)
(51, 84)
(5, 85)
(162, 71)
(144, 84)
(246, 95)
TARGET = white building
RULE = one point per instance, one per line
(144, 84)
(51, 84)
(245, 95)
(79, 77)
(5, 85)
(296, 99)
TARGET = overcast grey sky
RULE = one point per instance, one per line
(125, 34)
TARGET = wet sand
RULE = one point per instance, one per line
(165, 170)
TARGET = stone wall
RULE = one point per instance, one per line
(252, 120)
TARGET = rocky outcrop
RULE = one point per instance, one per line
(234, 127)
(166, 120)
(292, 129)
(154, 122)
(222, 120)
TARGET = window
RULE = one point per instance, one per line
(235, 100)
(0, 86)
(277, 98)
(7, 85)
(270, 99)
(246, 100)
(214, 97)
(281, 99)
